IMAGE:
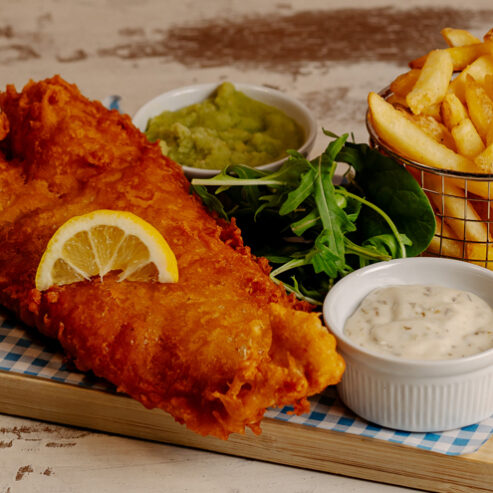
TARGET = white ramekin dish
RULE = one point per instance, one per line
(412, 395)
(185, 96)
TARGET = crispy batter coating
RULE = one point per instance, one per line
(214, 349)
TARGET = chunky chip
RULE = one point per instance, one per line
(432, 83)
(452, 110)
(466, 138)
(403, 84)
(480, 106)
(478, 70)
(458, 37)
(484, 161)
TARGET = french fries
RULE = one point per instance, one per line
(484, 160)
(461, 217)
(445, 243)
(489, 35)
(478, 70)
(467, 140)
(403, 84)
(461, 56)
(480, 106)
(432, 83)
(453, 111)
(489, 136)
(445, 121)
(411, 141)
(488, 85)
(433, 128)
(458, 37)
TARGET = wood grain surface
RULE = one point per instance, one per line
(280, 442)
(329, 54)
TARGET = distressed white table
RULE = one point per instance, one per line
(329, 54)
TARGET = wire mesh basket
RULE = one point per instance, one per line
(462, 203)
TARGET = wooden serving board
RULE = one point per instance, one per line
(280, 442)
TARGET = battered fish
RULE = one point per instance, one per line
(215, 349)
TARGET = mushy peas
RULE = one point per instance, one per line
(228, 128)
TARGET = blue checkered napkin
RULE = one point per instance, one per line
(112, 102)
(328, 412)
(23, 350)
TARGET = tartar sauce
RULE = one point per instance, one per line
(422, 322)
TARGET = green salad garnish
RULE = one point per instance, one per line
(314, 231)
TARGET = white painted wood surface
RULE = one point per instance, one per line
(39, 457)
(106, 47)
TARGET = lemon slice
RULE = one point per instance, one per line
(103, 241)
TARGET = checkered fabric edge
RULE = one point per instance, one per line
(24, 351)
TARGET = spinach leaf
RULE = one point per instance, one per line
(388, 185)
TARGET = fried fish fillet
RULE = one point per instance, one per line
(215, 349)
